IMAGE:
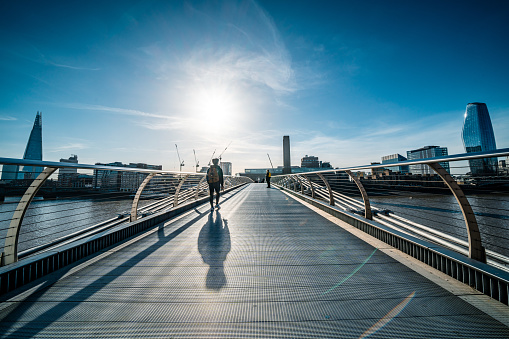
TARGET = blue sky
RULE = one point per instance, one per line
(349, 81)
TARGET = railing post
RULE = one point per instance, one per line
(176, 196)
(367, 206)
(331, 196)
(310, 185)
(11, 240)
(475, 249)
(134, 207)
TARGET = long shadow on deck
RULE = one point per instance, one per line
(35, 326)
(214, 245)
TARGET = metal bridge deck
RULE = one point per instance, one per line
(264, 266)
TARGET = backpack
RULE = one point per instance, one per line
(213, 175)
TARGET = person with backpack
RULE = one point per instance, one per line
(215, 180)
(267, 178)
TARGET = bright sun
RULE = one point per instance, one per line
(213, 107)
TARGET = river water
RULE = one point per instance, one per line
(47, 220)
(442, 213)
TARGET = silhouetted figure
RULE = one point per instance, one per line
(214, 245)
(267, 178)
(216, 183)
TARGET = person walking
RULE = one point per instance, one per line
(267, 178)
(215, 180)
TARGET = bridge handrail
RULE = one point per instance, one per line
(40, 163)
(475, 247)
(186, 186)
(502, 152)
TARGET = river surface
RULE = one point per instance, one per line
(442, 213)
(47, 220)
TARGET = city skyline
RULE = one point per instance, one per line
(348, 82)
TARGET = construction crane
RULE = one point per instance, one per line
(270, 161)
(181, 163)
(220, 155)
(212, 157)
(197, 163)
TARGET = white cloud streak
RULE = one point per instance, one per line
(7, 118)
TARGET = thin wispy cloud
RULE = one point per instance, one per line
(72, 67)
(116, 110)
(7, 118)
(28, 51)
(76, 146)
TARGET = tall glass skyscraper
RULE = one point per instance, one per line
(478, 136)
(33, 150)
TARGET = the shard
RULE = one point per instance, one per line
(33, 150)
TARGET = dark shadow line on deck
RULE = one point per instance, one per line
(67, 305)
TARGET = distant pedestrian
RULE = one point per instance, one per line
(267, 178)
(215, 180)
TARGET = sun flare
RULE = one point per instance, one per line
(214, 107)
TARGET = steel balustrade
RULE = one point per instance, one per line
(484, 270)
(10, 253)
(475, 248)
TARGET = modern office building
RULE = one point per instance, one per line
(287, 166)
(33, 150)
(68, 175)
(478, 136)
(310, 162)
(113, 180)
(393, 158)
(426, 153)
(226, 167)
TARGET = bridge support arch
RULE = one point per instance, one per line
(331, 196)
(475, 249)
(367, 207)
(134, 207)
(10, 254)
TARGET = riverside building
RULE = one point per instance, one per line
(427, 152)
(478, 136)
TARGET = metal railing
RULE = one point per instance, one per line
(67, 202)
(341, 187)
(457, 223)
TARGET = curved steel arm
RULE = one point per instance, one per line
(228, 182)
(475, 249)
(134, 207)
(310, 185)
(197, 192)
(176, 196)
(331, 196)
(11, 240)
(367, 206)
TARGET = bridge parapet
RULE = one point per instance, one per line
(67, 202)
(421, 206)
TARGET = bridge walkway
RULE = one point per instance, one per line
(265, 265)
